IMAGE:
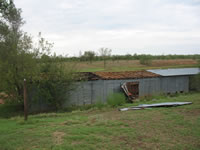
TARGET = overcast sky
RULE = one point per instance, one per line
(125, 26)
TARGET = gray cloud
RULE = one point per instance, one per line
(128, 26)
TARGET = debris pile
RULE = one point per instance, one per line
(144, 106)
(131, 90)
(125, 75)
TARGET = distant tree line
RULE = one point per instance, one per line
(91, 56)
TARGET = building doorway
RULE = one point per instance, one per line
(131, 89)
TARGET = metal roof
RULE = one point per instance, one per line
(117, 75)
(176, 72)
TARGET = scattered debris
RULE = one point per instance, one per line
(131, 90)
(144, 106)
(125, 75)
(90, 76)
(124, 87)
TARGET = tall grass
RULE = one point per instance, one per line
(116, 99)
(99, 104)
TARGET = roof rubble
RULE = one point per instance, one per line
(121, 75)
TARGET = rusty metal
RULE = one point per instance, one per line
(131, 89)
(125, 75)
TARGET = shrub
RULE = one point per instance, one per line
(99, 104)
(195, 83)
(116, 99)
(54, 83)
(10, 110)
(146, 60)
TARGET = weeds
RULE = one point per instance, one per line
(160, 96)
(99, 104)
(116, 99)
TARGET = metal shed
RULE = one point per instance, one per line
(175, 80)
(100, 85)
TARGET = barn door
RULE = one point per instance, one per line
(133, 88)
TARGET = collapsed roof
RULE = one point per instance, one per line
(138, 74)
(118, 75)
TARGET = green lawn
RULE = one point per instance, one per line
(175, 128)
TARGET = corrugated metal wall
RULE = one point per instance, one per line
(90, 92)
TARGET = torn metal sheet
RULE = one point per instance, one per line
(131, 90)
(124, 87)
(145, 106)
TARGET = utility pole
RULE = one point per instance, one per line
(25, 102)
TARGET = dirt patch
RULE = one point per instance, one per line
(76, 142)
(70, 122)
(190, 113)
(158, 63)
(1, 101)
(58, 137)
(138, 143)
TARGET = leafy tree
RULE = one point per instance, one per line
(89, 55)
(55, 80)
(145, 60)
(128, 57)
(114, 58)
(105, 53)
(16, 61)
(20, 59)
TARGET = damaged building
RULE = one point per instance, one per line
(98, 86)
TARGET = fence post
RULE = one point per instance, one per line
(25, 102)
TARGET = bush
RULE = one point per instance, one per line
(10, 110)
(54, 83)
(99, 104)
(195, 83)
(146, 60)
(116, 99)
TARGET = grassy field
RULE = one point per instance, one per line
(175, 128)
(131, 65)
